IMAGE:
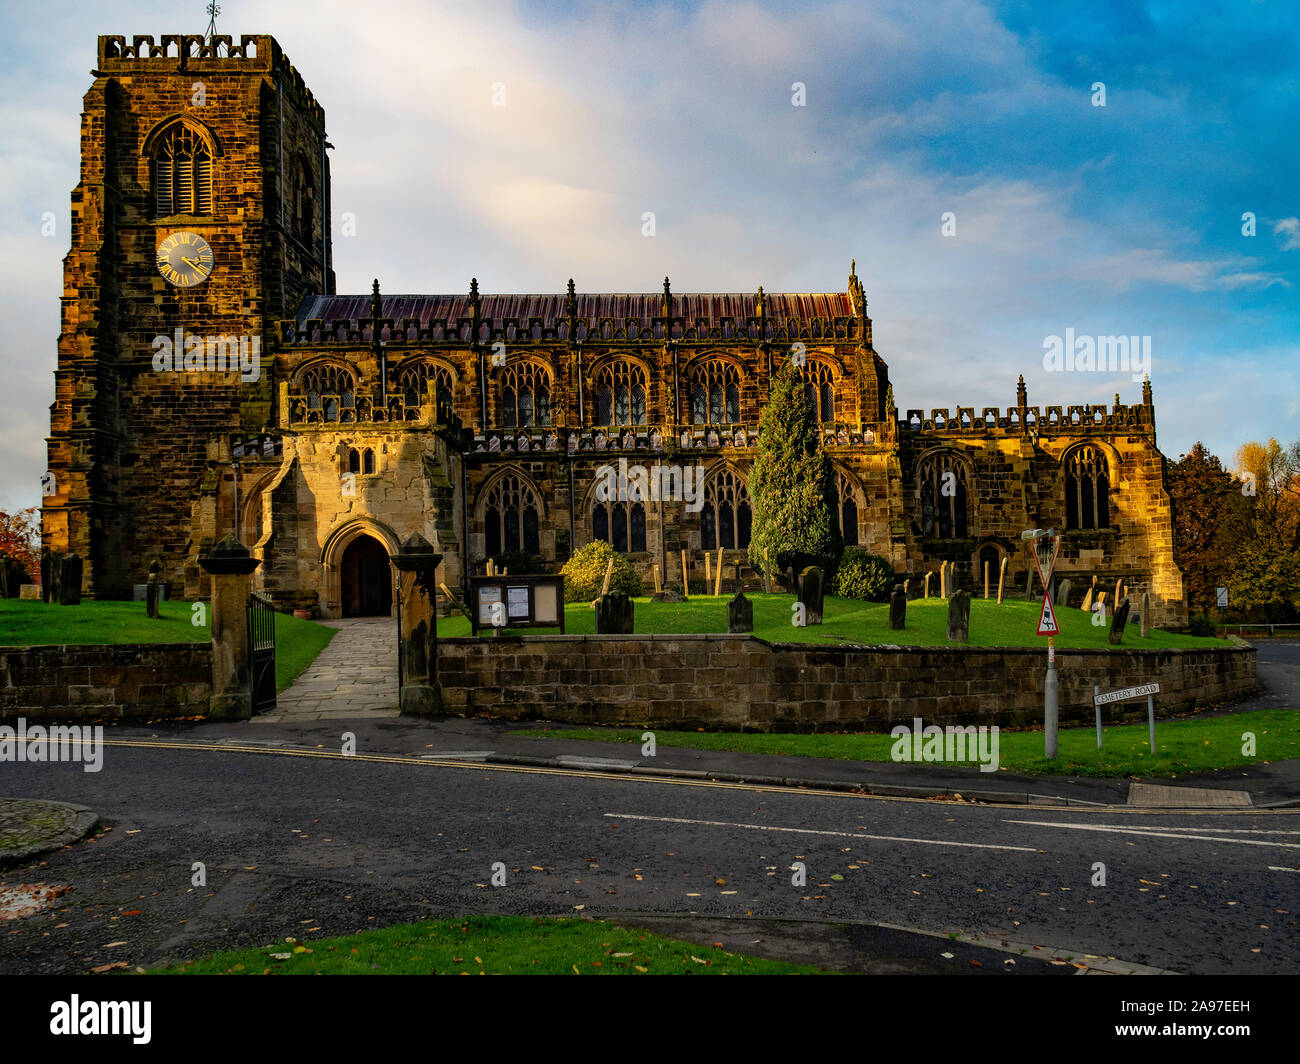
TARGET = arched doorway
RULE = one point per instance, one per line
(366, 579)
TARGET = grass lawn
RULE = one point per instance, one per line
(488, 945)
(26, 623)
(1012, 624)
(1181, 745)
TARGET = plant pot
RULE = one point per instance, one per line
(302, 615)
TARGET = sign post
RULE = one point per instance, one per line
(1047, 545)
(1127, 694)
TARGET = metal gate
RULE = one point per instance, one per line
(261, 651)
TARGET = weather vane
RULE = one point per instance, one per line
(213, 11)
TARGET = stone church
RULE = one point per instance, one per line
(210, 380)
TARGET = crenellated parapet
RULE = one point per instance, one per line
(1072, 420)
(194, 53)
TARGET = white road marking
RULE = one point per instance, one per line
(1162, 827)
(814, 831)
(1279, 868)
(1157, 834)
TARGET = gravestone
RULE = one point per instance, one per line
(959, 617)
(30, 592)
(151, 590)
(898, 608)
(1116, 635)
(1063, 590)
(668, 594)
(614, 614)
(11, 576)
(1029, 583)
(812, 593)
(1146, 615)
(47, 576)
(740, 614)
(70, 580)
(1086, 605)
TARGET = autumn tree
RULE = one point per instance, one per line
(1265, 570)
(20, 538)
(1272, 474)
(791, 486)
(1211, 522)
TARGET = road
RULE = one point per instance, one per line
(293, 843)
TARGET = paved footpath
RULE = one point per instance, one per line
(355, 676)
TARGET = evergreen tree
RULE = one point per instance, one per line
(791, 486)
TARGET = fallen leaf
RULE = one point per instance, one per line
(101, 969)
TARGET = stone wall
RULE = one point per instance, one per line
(114, 681)
(728, 682)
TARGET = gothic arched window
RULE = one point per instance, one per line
(354, 460)
(942, 491)
(848, 509)
(511, 516)
(182, 173)
(525, 396)
(1087, 488)
(715, 394)
(412, 379)
(331, 392)
(621, 395)
(620, 524)
(819, 389)
(726, 518)
(367, 461)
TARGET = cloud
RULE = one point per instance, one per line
(1156, 266)
(1289, 230)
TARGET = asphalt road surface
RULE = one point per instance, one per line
(297, 841)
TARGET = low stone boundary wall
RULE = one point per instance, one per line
(726, 682)
(107, 680)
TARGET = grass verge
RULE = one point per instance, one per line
(99, 621)
(488, 945)
(1011, 624)
(1181, 745)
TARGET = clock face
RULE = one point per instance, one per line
(185, 259)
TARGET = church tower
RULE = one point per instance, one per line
(201, 217)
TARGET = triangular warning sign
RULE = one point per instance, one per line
(1045, 554)
(1047, 619)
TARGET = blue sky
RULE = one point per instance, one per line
(1123, 219)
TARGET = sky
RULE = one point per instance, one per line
(959, 151)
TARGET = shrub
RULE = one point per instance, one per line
(584, 573)
(1200, 624)
(863, 575)
(518, 562)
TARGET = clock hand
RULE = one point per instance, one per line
(191, 263)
